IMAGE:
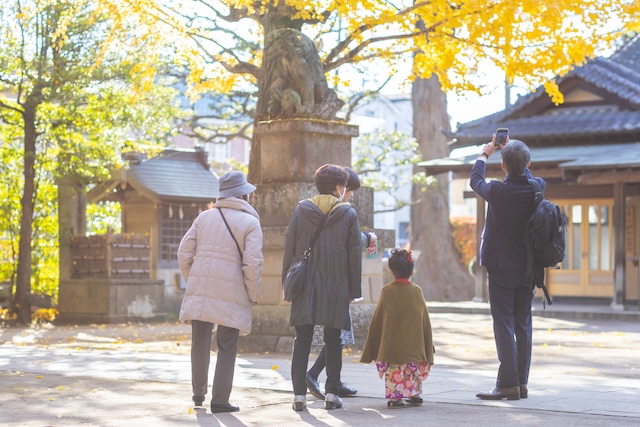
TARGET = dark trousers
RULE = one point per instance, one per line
(300, 358)
(511, 311)
(227, 339)
(320, 363)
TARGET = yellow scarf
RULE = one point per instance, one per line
(327, 202)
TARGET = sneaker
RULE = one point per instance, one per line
(332, 401)
(299, 402)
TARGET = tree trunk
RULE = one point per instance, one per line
(438, 270)
(22, 300)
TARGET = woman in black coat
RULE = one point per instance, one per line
(334, 271)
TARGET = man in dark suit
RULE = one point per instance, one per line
(503, 253)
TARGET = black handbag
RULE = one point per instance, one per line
(296, 277)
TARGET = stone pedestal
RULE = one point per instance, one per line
(110, 300)
(285, 156)
(292, 150)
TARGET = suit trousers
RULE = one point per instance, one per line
(300, 358)
(511, 311)
(227, 339)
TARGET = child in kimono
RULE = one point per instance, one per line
(399, 338)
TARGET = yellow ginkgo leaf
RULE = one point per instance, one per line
(40, 377)
(274, 367)
(60, 388)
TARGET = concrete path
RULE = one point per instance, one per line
(584, 373)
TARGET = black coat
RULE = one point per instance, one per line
(335, 266)
(511, 204)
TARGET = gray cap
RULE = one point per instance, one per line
(234, 184)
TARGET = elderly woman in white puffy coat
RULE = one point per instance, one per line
(221, 260)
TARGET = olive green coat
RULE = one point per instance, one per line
(400, 330)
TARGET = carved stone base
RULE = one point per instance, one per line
(292, 150)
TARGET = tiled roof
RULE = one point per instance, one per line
(558, 124)
(609, 156)
(176, 174)
(629, 54)
(618, 76)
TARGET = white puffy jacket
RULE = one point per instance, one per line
(220, 288)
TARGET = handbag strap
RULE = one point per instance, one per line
(232, 236)
(307, 253)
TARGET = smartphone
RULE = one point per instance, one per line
(501, 136)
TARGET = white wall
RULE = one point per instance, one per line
(395, 113)
(391, 113)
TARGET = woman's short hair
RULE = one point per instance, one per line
(328, 176)
(516, 156)
(354, 181)
(401, 263)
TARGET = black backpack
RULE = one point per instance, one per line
(545, 234)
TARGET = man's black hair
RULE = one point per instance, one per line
(328, 176)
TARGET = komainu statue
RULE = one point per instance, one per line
(294, 83)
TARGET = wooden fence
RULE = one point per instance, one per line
(111, 256)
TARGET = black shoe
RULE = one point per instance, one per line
(223, 407)
(499, 393)
(197, 400)
(395, 404)
(345, 391)
(414, 401)
(313, 386)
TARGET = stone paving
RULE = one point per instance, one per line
(584, 372)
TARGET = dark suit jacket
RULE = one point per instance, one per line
(510, 206)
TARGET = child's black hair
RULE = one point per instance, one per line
(401, 263)
(354, 181)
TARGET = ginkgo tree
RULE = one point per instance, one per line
(531, 40)
(76, 84)
(439, 44)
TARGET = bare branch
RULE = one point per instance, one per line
(10, 107)
(351, 37)
(349, 57)
(241, 67)
(400, 205)
(355, 101)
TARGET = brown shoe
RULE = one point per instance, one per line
(499, 393)
(524, 392)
